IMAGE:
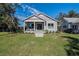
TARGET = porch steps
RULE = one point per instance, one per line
(39, 33)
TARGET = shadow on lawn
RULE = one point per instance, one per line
(4, 34)
(72, 48)
(7, 34)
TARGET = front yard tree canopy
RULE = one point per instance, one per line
(72, 13)
(7, 16)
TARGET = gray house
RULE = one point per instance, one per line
(40, 22)
(70, 23)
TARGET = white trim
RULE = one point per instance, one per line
(24, 27)
(34, 26)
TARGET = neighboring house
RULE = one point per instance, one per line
(40, 22)
(70, 24)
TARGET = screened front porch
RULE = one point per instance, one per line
(33, 26)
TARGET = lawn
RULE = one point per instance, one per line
(27, 44)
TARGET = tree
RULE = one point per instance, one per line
(60, 19)
(72, 13)
(7, 15)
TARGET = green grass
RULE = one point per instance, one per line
(27, 44)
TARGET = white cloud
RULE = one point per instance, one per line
(30, 9)
(21, 18)
(26, 8)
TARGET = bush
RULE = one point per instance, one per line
(20, 31)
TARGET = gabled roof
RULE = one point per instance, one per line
(34, 19)
(71, 20)
(42, 17)
(46, 17)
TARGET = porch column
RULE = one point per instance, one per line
(24, 27)
(34, 26)
(78, 26)
(44, 25)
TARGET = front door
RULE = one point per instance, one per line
(39, 26)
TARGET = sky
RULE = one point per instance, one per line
(51, 9)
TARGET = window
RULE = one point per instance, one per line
(74, 26)
(64, 26)
(50, 25)
(31, 25)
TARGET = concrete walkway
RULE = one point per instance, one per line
(39, 33)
